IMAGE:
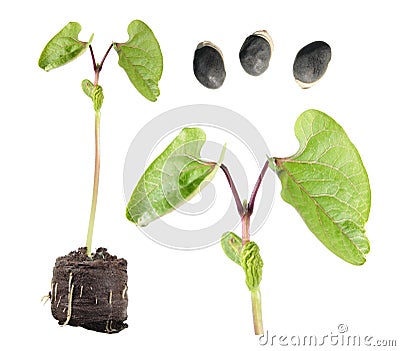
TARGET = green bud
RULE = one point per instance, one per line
(97, 97)
(232, 246)
(252, 265)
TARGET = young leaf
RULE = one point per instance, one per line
(328, 185)
(63, 47)
(174, 177)
(142, 60)
(252, 265)
(88, 87)
(232, 246)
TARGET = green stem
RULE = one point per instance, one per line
(257, 312)
(255, 294)
(95, 185)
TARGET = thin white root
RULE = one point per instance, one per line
(70, 293)
(52, 292)
(45, 298)
(55, 291)
(80, 295)
(109, 328)
(110, 298)
(124, 292)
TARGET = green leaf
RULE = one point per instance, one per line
(326, 182)
(173, 178)
(252, 265)
(232, 246)
(95, 93)
(98, 98)
(142, 60)
(88, 87)
(63, 47)
(248, 257)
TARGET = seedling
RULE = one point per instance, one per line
(89, 290)
(325, 181)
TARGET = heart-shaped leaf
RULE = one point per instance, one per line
(63, 47)
(142, 60)
(328, 185)
(173, 178)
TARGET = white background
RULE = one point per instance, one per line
(193, 300)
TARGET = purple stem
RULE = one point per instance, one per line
(250, 206)
(97, 67)
(104, 57)
(239, 204)
(93, 59)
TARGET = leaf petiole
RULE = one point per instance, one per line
(97, 67)
(235, 193)
(250, 206)
(104, 57)
(248, 209)
(93, 59)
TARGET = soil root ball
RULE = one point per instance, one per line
(90, 292)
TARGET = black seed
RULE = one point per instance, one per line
(256, 53)
(208, 65)
(311, 63)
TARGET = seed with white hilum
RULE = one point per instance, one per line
(255, 53)
(311, 63)
(208, 65)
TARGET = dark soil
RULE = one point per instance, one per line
(90, 292)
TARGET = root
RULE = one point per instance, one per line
(80, 295)
(124, 292)
(109, 328)
(70, 293)
(110, 298)
(46, 298)
(55, 291)
(52, 292)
